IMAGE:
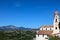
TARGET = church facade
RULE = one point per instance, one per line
(46, 31)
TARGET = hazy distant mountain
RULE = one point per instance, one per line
(11, 27)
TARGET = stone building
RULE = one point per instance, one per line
(46, 31)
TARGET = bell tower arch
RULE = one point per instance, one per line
(56, 23)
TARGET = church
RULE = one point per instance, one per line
(46, 31)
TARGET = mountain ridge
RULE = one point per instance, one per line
(12, 27)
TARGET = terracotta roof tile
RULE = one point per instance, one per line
(45, 32)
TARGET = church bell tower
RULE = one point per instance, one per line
(56, 23)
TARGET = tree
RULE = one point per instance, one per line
(59, 25)
(54, 38)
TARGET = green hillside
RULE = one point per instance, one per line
(16, 35)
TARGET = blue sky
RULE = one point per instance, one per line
(28, 13)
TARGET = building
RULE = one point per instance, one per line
(46, 31)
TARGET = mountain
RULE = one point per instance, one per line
(22, 28)
(11, 27)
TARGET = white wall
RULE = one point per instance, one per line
(45, 28)
(51, 28)
(41, 37)
(48, 28)
(41, 28)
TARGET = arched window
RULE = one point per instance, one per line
(56, 20)
(42, 28)
(43, 35)
(56, 28)
(50, 28)
(46, 28)
(38, 35)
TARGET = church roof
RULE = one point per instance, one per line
(45, 32)
(58, 33)
(46, 26)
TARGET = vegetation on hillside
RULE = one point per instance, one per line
(54, 38)
(59, 25)
(16, 35)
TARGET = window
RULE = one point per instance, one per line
(43, 35)
(38, 35)
(46, 28)
(46, 38)
(56, 28)
(42, 28)
(56, 20)
(50, 28)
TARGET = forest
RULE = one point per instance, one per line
(16, 35)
